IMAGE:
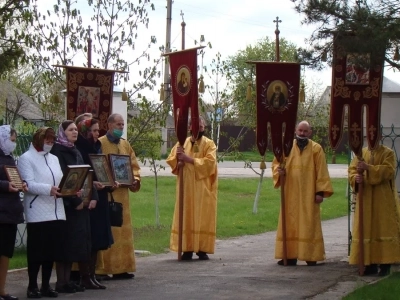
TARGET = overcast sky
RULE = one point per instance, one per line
(229, 25)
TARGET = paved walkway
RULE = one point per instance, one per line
(241, 268)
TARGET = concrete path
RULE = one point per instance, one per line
(235, 169)
(241, 268)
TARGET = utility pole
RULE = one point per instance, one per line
(167, 79)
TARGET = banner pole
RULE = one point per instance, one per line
(283, 212)
(360, 225)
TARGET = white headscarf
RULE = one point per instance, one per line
(5, 143)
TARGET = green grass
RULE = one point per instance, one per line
(254, 156)
(18, 261)
(235, 206)
(385, 289)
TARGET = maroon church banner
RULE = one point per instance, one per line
(277, 88)
(90, 90)
(356, 83)
(184, 91)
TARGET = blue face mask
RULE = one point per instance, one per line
(118, 133)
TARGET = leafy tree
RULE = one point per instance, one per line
(15, 15)
(375, 23)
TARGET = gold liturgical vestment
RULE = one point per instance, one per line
(380, 207)
(200, 182)
(306, 174)
(120, 258)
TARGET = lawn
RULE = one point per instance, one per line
(385, 289)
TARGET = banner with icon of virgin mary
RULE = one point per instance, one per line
(277, 90)
(90, 90)
(184, 91)
(357, 74)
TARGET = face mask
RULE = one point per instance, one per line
(301, 142)
(301, 137)
(118, 133)
(9, 146)
(47, 148)
(201, 133)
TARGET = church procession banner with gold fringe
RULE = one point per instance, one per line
(277, 90)
(90, 90)
(183, 66)
(356, 83)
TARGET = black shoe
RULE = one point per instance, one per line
(311, 263)
(384, 269)
(187, 256)
(123, 276)
(371, 269)
(8, 297)
(66, 289)
(77, 287)
(49, 292)
(202, 255)
(103, 277)
(33, 293)
(290, 262)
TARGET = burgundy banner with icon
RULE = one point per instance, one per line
(90, 91)
(277, 100)
(184, 91)
(356, 83)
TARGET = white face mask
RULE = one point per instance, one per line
(47, 148)
(9, 146)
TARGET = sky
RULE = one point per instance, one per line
(229, 25)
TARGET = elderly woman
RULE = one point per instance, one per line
(88, 143)
(11, 209)
(44, 210)
(77, 239)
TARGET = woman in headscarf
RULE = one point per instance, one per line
(77, 239)
(11, 209)
(44, 210)
(88, 143)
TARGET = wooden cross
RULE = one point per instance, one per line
(277, 56)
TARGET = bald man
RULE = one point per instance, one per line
(307, 183)
(119, 260)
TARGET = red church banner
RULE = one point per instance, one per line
(277, 88)
(356, 83)
(184, 91)
(90, 90)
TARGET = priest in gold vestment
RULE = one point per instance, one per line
(307, 184)
(200, 180)
(119, 260)
(380, 210)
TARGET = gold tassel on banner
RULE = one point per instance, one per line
(263, 166)
(248, 93)
(396, 54)
(302, 96)
(124, 95)
(201, 85)
(196, 147)
(162, 96)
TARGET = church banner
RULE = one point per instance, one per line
(184, 91)
(90, 90)
(277, 90)
(356, 83)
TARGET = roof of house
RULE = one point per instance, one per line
(29, 109)
(389, 86)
